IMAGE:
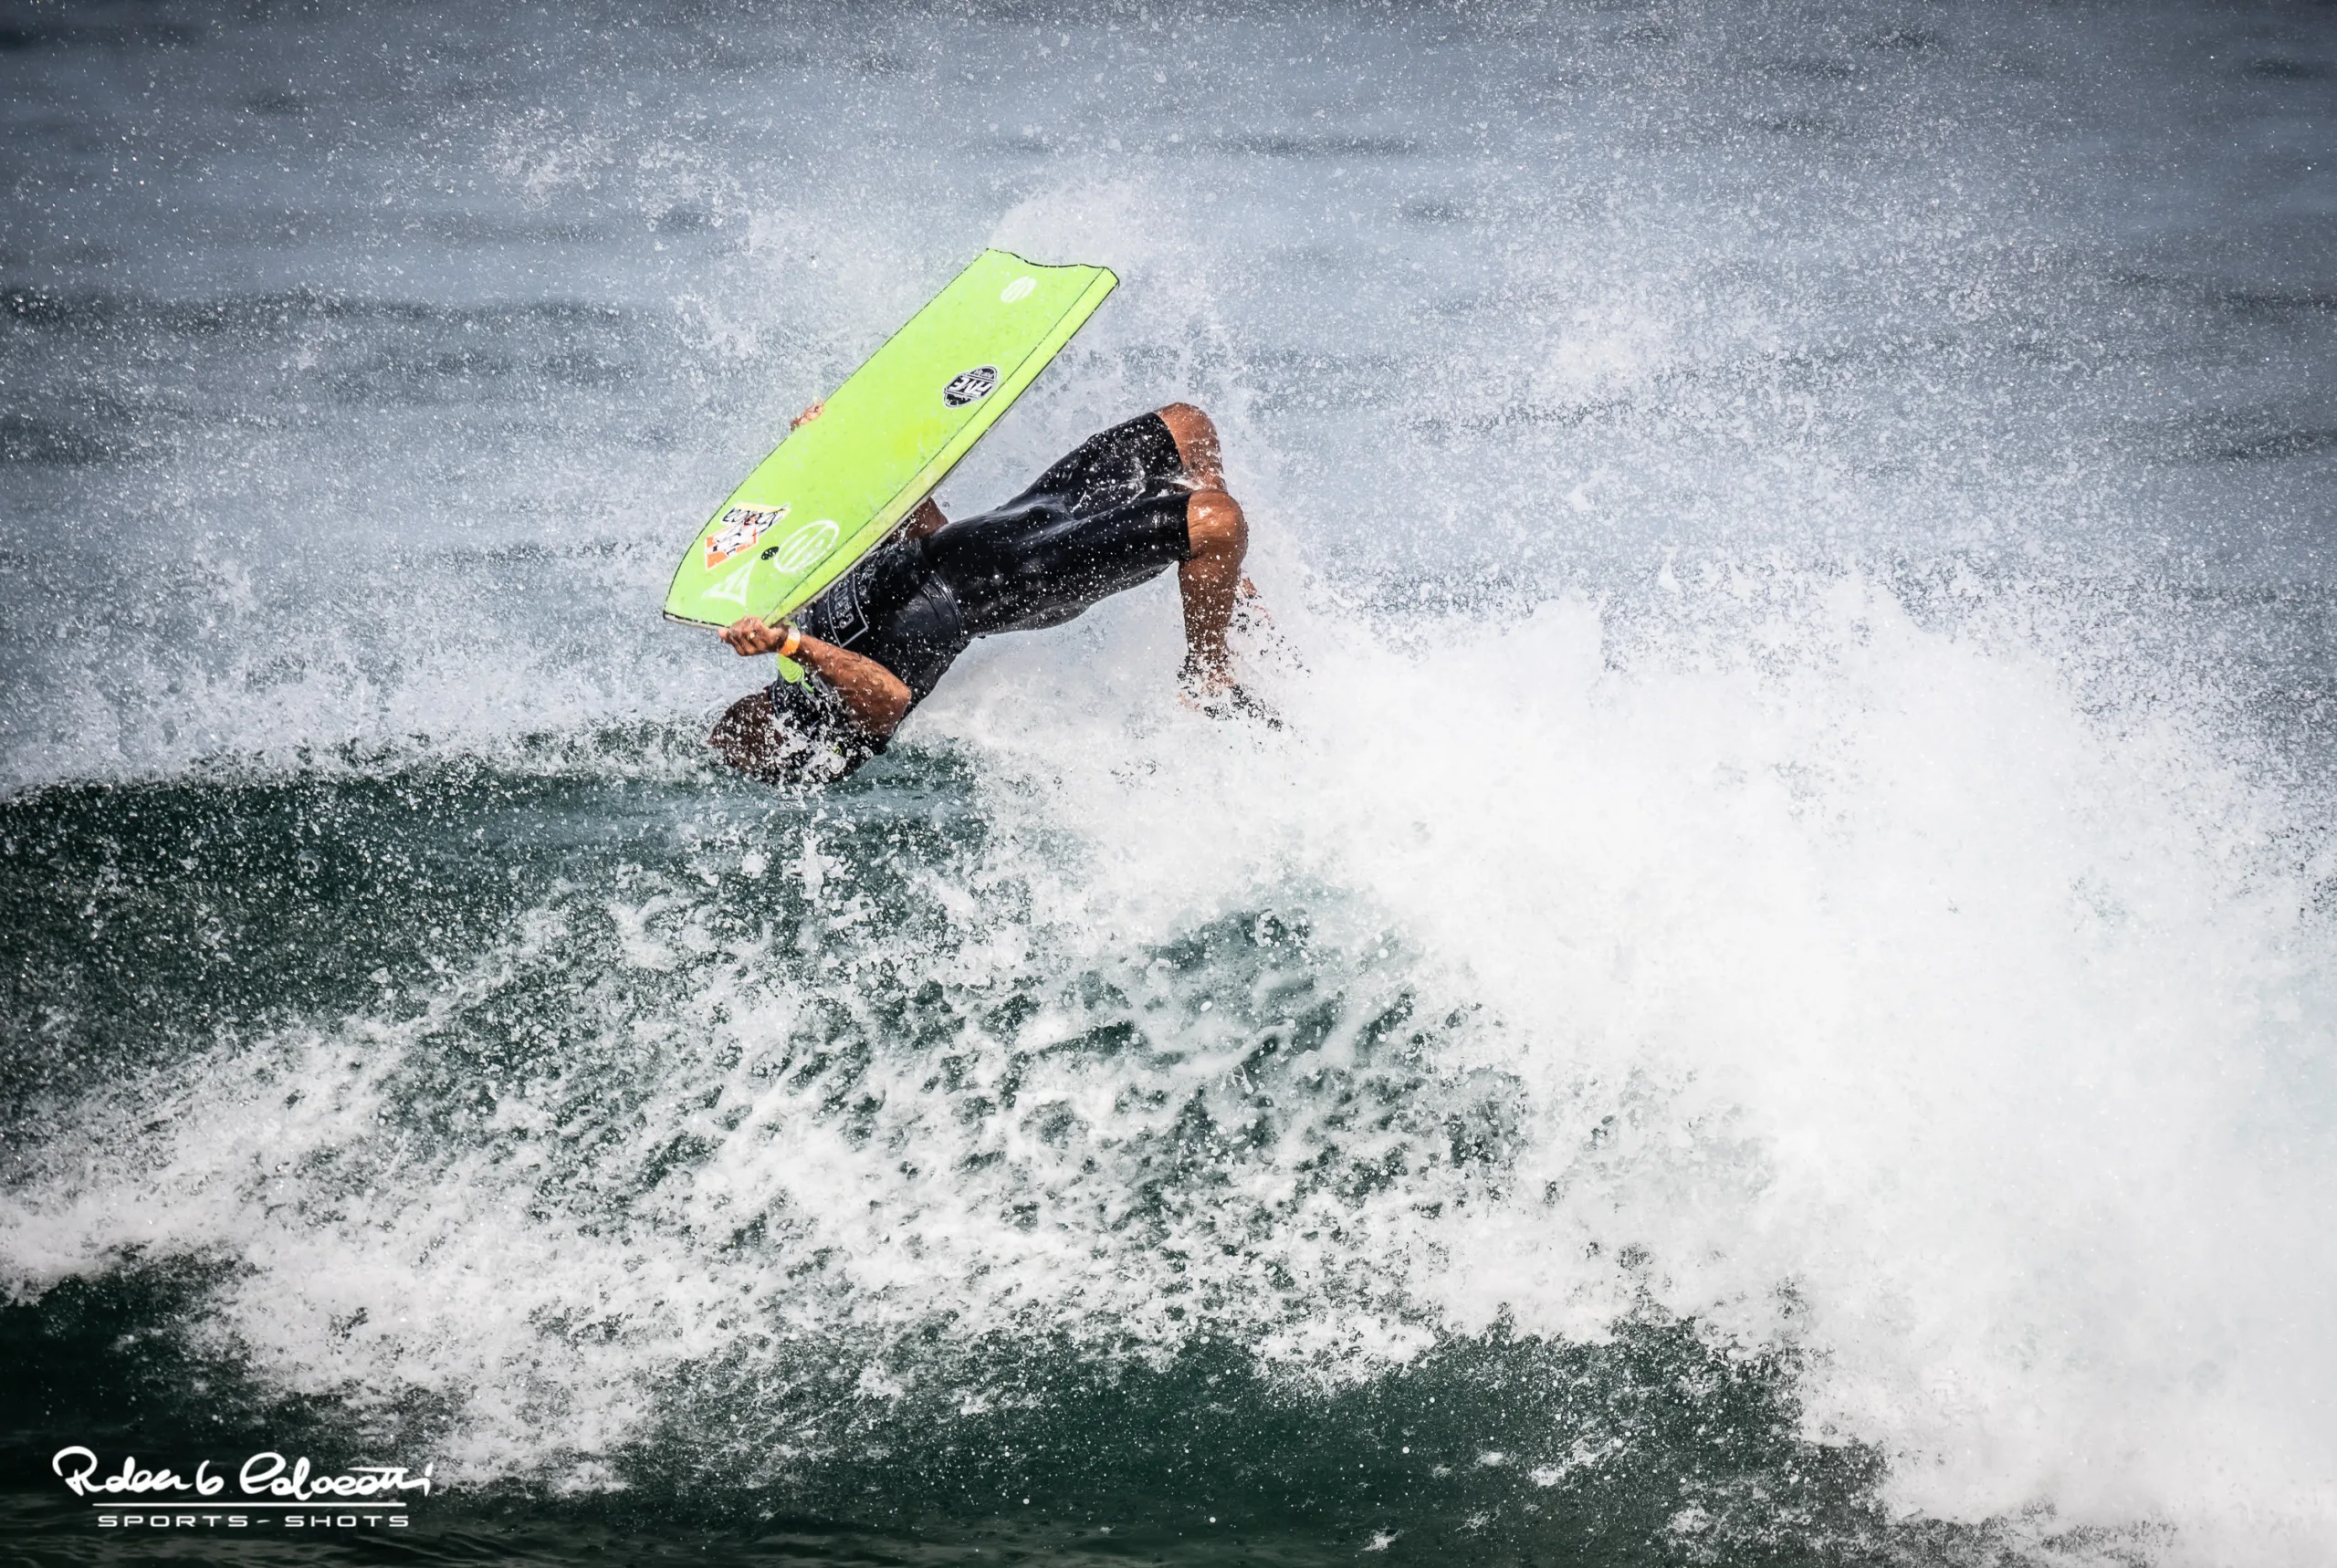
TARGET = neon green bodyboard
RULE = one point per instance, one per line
(834, 488)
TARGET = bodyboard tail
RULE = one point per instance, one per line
(832, 489)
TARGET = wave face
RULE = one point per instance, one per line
(1771, 1002)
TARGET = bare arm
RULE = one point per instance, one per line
(926, 519)
(875, 696)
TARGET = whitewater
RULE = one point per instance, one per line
(1772, 1000)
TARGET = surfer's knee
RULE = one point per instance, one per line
(1185, 418)
(1195, 434)
(1215, 527)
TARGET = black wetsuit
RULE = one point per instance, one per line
(1107, 517)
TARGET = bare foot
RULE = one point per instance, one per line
(1211, 690)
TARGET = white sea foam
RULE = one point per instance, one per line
(1866, 996)
(1859, 927)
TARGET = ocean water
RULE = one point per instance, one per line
(1773, 1001)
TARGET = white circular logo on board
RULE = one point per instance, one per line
(970, 386)
(1017, 289)
(805, 545)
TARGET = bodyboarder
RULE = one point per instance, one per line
(1124, 506)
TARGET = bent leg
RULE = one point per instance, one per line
(1197, 445)
(1169, 452)
(1013, 572)
(1219, 536)
(1131, 461)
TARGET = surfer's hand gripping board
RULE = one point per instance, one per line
(750, 634)
(876, 697)
(854, 465)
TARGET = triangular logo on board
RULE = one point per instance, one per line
(733, 587)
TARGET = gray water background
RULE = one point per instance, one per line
(461, 317)
(1922, 412)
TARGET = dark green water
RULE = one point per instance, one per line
(186, 915)
(1772, 1003)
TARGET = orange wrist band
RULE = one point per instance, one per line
(794, 640)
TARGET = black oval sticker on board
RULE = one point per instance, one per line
(970, 386)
